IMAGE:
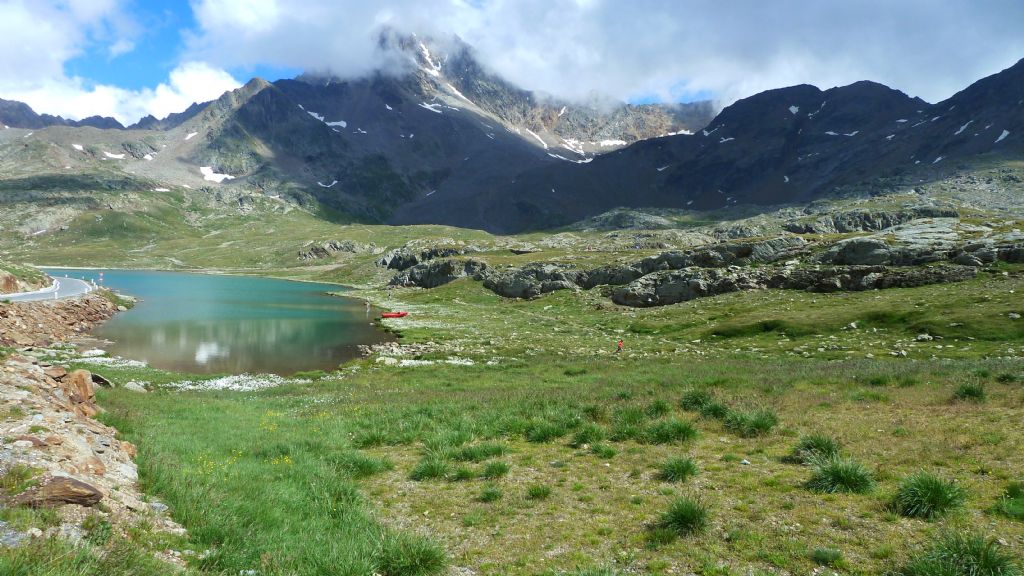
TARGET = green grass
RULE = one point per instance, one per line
(971, 391)
(587, 434)
(409, 555)
(677, 470)
(1011, 503)
(813, 447)
(480, 452)
(827, 557)
(18, 478)
(837, 474)
(671, 431)
(926, 495)
(430, 468)
(749, 424)
(538, 492)
(490, 493)
(962, 554)
(684, 517)
(495, 470)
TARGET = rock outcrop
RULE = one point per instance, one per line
(39, 323)
(676, 286)
(316, 251)
(402, 258)
(866, 220)
(438, 272)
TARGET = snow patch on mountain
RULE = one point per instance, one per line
(962, 128)
(78, 147)
(211, 176)
(539, 139)
(322, 185)
(794, 109)
(190, 136)
(432, 107)
(113, 156)
(1002, 136)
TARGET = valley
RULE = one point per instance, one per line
(783, 337)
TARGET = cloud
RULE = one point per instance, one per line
(37, 38)
(626, 49)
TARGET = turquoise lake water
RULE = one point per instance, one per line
(204, 324)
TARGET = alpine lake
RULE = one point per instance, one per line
(213, 324)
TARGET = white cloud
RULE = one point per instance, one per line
(625, 49)
(37, 38)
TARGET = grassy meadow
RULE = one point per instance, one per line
(752, 433)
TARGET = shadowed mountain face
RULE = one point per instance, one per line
(439, 139)
(787, 145)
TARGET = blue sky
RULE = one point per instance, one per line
(128, 58)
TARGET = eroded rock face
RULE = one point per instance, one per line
(402, 258)
(39, 323)
(867, 220)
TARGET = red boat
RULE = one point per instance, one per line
(394, 314)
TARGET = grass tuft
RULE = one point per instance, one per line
(1011, 504)
(588, 433)
(962, 555)
(495, 470)
(409, 555)
(677, 470)
(925, 495)
(813, 447)
(602, 451)
(669, 432)
(827, 557)
(684, 516)
(837, 474)
(430, 468)
(479, 452)
(695, 399)
(538, 492)
(971, 392)
(749, 424)
(490, 493)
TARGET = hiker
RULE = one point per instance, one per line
(367, 308)
(619, 347)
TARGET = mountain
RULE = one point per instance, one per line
(15, 114)
(787, 145)
(436, 138)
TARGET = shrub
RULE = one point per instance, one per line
(669, 432)
(409, 555)
(695, 399)
(430, 468)
(961, 555)
(495, 470)
(602, 451)
(813, 447)
(827, 557)
(490, 493)
(750, 424)
(538, 492)
(840, 475)
(479, 452)
(1007, 378)
(1011, 504)
(587, 434)
(925, 495)
(972, 392)
(684, 516)
(677, 470)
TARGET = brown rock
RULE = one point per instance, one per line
(35, 441)
(59, 491)
(54, 440)
(56, 372)
(129, 449)
(79, 382)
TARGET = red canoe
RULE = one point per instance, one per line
(394, 314)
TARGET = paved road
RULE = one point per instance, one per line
(62, 288)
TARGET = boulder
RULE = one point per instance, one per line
(437, 273)
(858, 252)
(60, 490)
(531, 280)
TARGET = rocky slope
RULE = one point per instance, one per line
(41, 323)
(15, 114)
(67, 460)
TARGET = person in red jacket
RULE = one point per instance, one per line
(619, 347)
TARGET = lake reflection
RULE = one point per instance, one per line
(210, 324)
